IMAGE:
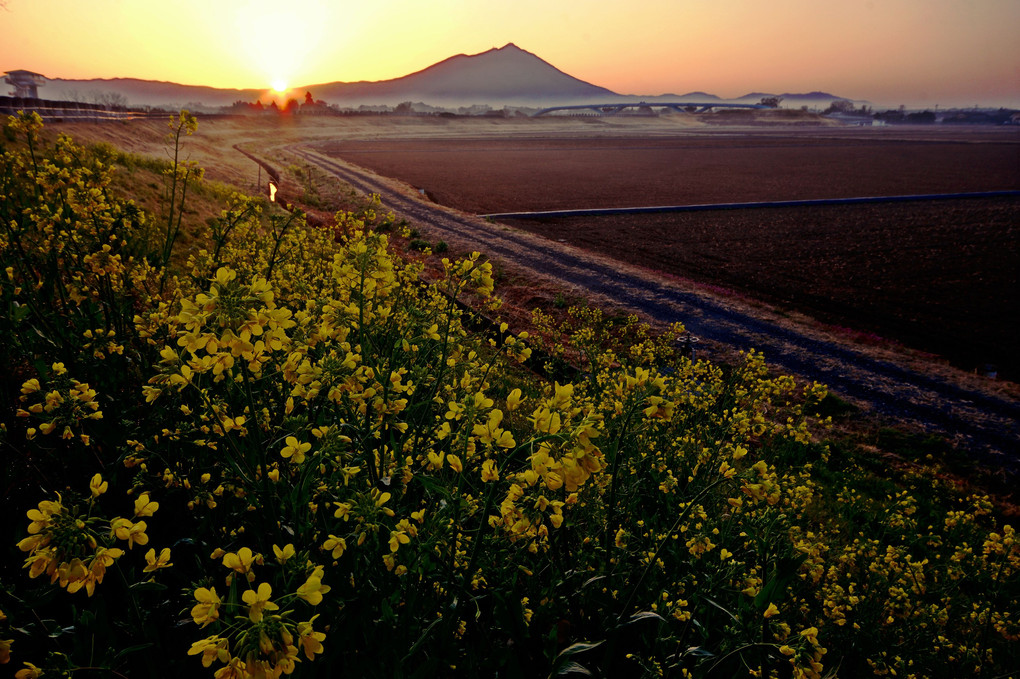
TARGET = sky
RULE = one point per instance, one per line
(889, 52)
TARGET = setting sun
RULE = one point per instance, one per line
(279, 86)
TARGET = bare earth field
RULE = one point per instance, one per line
(711, 166)
(940, 276)
(936, 276)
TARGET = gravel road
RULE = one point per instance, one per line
(986, 425)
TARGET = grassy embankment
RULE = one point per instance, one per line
(237, 442)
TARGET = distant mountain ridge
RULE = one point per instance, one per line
(504, 76)
(145, 92)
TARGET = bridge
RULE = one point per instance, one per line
(678, 106)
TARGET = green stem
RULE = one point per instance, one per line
(734, 652)
(651, 561)
(614, 467)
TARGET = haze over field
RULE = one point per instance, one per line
(914, 52)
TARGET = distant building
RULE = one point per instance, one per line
(26, 83)
(857, 119)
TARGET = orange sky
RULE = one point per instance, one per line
(915, 52)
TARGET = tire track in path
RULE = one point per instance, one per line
(985, 425)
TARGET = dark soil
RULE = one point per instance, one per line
(939, 276)
(510, 175)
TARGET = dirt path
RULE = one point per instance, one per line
(988, 425)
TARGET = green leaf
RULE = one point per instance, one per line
(579, 647)
(20, 312)
(638, 617)
(573, 668)
(421, 639)
(147, 586)
(133, 649)
(432, 486)
(564, 664)
(764, 597)
(698, 652)
(713, 603)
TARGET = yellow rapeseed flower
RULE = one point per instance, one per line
(133, 533)
(489, 471)
(282, 555)
(397, 538)
(295, 449)
(240, 562)
(208, 607)
(29, 672)
(98, 486)
(258, 601)
(336, 545)
(211, 648)
(145, 507)
(313, 589)
(311, 641)
(155, 563)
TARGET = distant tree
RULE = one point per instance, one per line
(891, 116)
(921, 117)
(404, 108)
(840, 106)
(109, 99)
(308, 99)
(771, 102)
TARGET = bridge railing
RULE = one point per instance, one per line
(67, 110)
(616, 108)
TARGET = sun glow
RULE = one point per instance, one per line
(280, 42)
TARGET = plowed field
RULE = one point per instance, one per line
(937, 276)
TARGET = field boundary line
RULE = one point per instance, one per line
(811, 202)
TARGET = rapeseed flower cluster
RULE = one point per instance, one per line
(74, 549)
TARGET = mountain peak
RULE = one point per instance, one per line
(499, 76)
(508, 50)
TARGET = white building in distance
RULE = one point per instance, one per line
(26, 83)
